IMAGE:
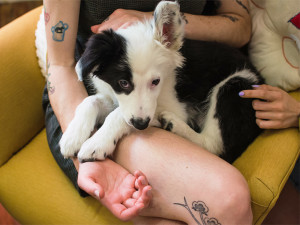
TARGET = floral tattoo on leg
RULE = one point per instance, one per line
(200, 208)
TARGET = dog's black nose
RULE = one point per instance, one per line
(139, 123)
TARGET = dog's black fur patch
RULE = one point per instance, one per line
(207, 64)
(105, 53)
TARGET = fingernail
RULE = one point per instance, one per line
(97, 193)
(241, 93)
(255, 86)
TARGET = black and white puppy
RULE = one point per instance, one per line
(142, 76)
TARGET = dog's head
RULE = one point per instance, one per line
(137, 61)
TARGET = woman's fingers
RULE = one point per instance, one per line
(264, 94)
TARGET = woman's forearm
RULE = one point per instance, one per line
(61, 24)
(235, 33)
(65, 91)
(69, 93)
(231, 25)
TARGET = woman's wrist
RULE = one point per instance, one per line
(66, 92)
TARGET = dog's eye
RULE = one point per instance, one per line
(155, 82)
(124, 84)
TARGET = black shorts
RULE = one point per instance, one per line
(54, 134)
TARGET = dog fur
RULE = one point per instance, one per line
(148, 75)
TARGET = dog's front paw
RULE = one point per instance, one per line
(96, 149)
(69, 144)
(168, 121)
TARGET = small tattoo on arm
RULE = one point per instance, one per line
(184, 17)
(232, 18)
(46, 16)
(51, 89)
(241, 4)
(58, 31)
(200, 208)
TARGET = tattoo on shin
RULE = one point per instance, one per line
(58, 31)
(232, 18)
(241, 4)
(200, 208)
(51, 89)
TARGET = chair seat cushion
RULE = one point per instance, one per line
(35, 191)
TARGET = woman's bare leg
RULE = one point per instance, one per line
(189, 183)
(146, 220)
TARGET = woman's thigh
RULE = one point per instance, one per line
(184, 177)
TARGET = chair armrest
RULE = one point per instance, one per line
(21, 85)
(267, 164)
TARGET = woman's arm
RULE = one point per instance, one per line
(65, 91)
(124, 194)
(231, 25)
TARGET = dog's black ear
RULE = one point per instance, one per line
(101, 49)
(169, 24)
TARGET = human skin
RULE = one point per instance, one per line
(275, 108)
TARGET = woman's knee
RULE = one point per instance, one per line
(235, 204)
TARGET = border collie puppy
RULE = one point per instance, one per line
(145, 76)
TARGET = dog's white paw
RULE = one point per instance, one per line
(96, 148)
(70, 144)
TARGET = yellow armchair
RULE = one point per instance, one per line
(32, 186)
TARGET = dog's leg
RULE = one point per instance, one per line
(103, 142)
(209, 139)
(91, 111)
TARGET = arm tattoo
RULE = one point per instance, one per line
(202, 209)
(46, 16)
(51, 89)
(241, 4)
(232, 18)
(59, 30)
(184, 17)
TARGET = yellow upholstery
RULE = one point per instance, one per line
(32, 186)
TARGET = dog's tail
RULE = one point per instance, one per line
(41, 44)
(236, 115)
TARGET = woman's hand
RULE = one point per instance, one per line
(124, 194)
(121, 18)
(275, 108)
